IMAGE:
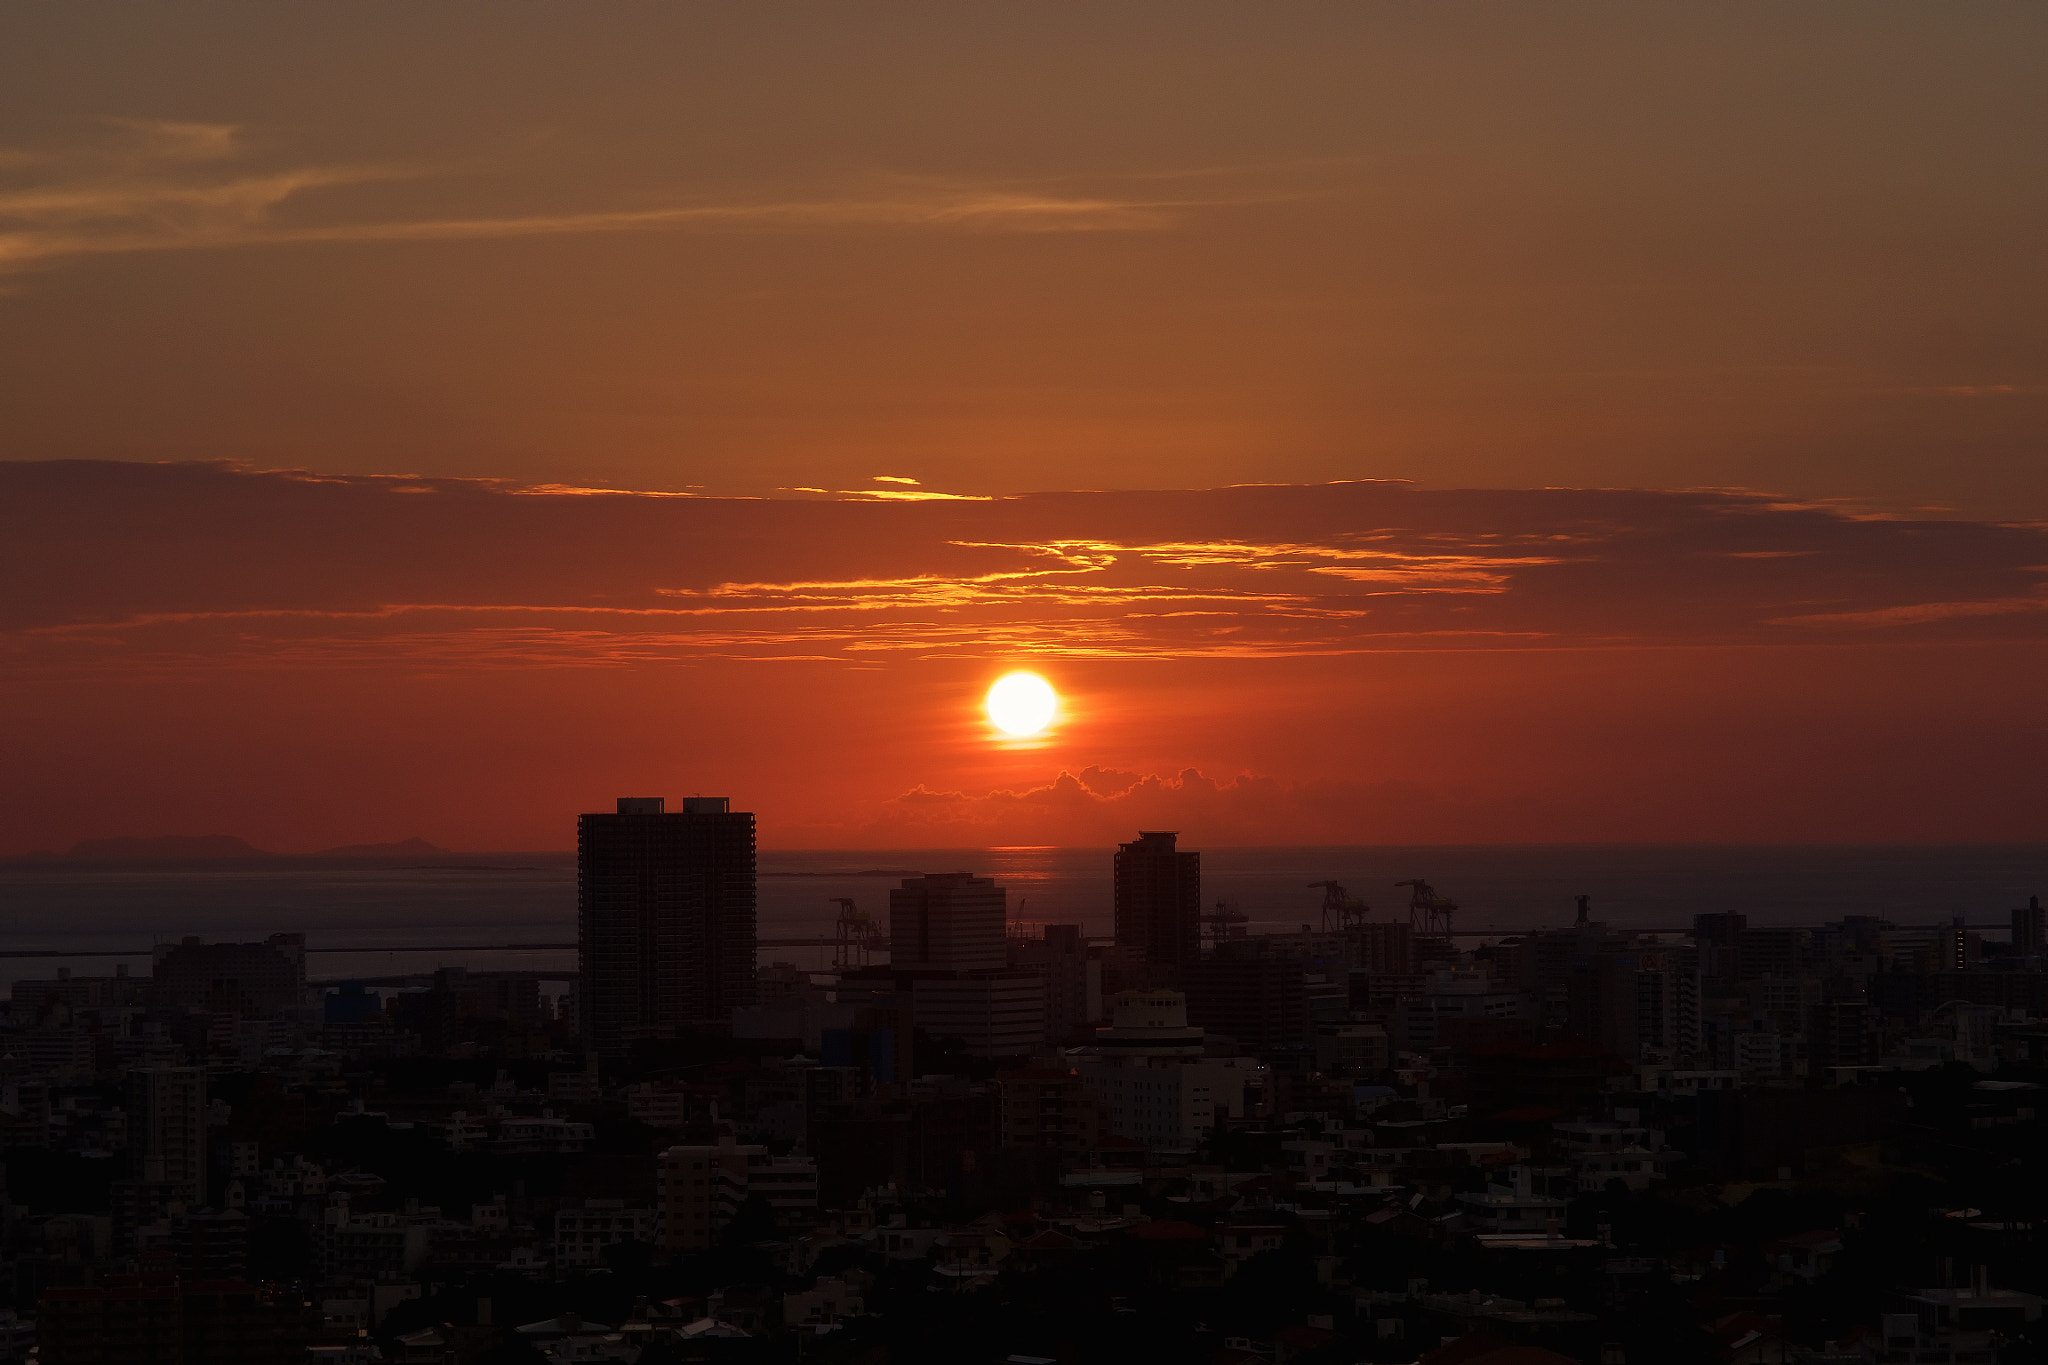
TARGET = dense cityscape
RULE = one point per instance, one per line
(976, 1138)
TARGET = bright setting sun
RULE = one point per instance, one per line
(1022, 703)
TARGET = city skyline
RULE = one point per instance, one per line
(1370, 436)
(1099, 682)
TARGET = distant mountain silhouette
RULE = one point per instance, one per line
(404, 848)
(164, 848)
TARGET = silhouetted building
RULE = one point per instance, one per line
(949, 974)
(1382, 947)
(665, 918)
(167, 1128)
(982, 1014)
(1631, 999)
(1453, 1001)
(1158, 900)
(1716, 935)
(251, 979)
(1719, 928)
(2030, 927)
(158, 1319)
(1260, 1002)
(211, 1246)
(1556, 1077)
(1956, 949)
(1844, 1033)
(351, 1003)
(1769, 952)
(1073, 979)
(951, 921)
(1051, 1109)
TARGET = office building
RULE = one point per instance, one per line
(1073, 979)
(948, 975)
(1148, 1070)
(950, 922)
(1382, 947)
(986, 1014)
(1158, 901)
(1261, 1001)
(1453, 997)
(665, 919)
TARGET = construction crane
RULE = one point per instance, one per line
(1225, 921)
(1340, 912)
(1429, 915)
(855, 934)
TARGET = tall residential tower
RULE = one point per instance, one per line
(664, 918)
(1158, 901)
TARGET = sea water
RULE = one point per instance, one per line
(410, 913)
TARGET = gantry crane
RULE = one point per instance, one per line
(855, 934)
(1225, 921)
(1340, 912)
(1429, 915)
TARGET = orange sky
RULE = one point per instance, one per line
(306, 660)
(457, 259)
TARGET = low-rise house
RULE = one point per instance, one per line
(1807, 1255)
(1515, 1207)
(1635, 1167)
(1239, 1242)
(830, 1300)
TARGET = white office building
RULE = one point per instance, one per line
(1147, 1067)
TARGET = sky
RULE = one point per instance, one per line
(1382, 423)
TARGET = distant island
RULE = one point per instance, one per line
(189, 848)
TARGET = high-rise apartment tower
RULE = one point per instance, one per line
(167, 1128)
(2030, 927)
(664, 918)
(1158, 901)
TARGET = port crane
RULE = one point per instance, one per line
(854, 934)
(1429, 915)
(1340, 912)
(1225, 921)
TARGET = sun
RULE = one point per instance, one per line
(1022, 703)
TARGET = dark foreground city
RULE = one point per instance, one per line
(983, 1140)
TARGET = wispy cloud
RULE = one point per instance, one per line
(1918, 613)
(229, 568)
(162, 186)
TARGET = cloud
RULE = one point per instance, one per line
(1099, 807)
(1919, 613)
(177, 566)
(151, 186)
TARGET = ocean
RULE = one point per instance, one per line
(389, 917)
